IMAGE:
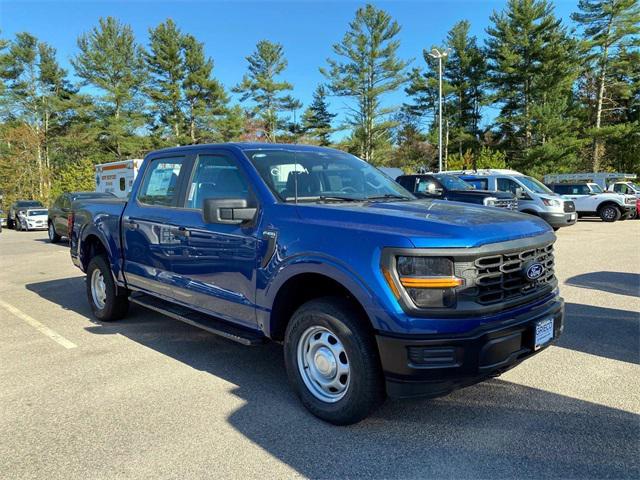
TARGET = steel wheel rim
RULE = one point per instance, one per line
(98, 289)
(323, 364)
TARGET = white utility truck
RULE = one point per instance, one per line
(117, 177)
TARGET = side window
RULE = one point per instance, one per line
(507, 185)
(160, 185)
(123, 184)
(561, 189)
(65, 202)
(478, 183)
(216, 176)
(582, 190)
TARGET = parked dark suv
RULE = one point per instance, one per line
(61, 208)
(449, 187)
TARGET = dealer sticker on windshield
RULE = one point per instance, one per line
(544, 332)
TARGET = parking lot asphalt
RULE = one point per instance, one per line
(150, 397)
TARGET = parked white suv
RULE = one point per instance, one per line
(591, 200)
(533, 197)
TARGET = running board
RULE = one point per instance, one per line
(224, 329)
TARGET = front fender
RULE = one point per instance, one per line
(270, 283)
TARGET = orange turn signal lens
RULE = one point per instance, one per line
(392, 285)
(438, 282)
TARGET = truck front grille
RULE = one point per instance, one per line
(502, 278)
(510, 204)
(569, 206)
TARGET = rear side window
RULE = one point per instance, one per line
(478, 183)
(216, 176)
(160, 185)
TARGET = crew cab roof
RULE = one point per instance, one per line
(248, 146)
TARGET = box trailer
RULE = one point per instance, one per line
(117, 177)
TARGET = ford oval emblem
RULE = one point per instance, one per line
(533, 271)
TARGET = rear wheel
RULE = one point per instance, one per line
(332, 361)
(609, 213)
(107, 303)
(18, 224)
(53, 236)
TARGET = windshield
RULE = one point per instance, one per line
(323, 175)
(534, 185)
(29, 203)
(451, 182)
(35, 213)
(596, 188)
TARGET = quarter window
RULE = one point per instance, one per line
(160, 185)
(216, 176)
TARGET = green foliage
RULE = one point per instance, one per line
(317, 119)
(484, 158)
(111, 61)
(610, 70)
(533, 63)
(261, 87)
(368, 67)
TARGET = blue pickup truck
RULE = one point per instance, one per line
(371, 291)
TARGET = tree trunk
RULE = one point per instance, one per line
(598, 146)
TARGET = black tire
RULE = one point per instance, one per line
(609, 213)
(53, 236)
(18, 225)
(9, 223)
(365, 385)
(116, 304)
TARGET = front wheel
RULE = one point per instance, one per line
(609, 213)
(53, 236)
(332, 361)
(106, 302)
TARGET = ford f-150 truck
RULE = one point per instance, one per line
(371, 291)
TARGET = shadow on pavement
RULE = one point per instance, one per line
(613, 282)
(494, 429)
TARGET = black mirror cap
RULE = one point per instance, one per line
(233, 211)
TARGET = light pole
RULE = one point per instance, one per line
(435, 53)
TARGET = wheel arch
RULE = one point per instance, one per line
(307, 282)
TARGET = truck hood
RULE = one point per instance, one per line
(427, 223)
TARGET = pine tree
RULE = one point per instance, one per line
(465, 73)
(112, 62)
(261, 87)
(533, 64)
(317, 119)
(607, 26)
(165, 65)
(205, 97)
(367, 68)
(36, 98)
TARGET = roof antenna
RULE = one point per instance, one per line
(295, 176)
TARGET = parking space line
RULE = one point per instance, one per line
(56, 337)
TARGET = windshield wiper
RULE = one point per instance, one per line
(326, 198)
(388, 196)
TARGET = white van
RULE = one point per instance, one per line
(117, 177)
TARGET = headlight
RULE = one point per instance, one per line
(489, 201)
(549, 202)
(428, 281)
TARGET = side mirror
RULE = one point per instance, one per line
(232, 211)
(521, 194)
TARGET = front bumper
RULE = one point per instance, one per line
(435, 365)
(561, 219)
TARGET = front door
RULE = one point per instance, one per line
(525, 202)
(218, 271)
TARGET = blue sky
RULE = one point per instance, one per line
(230, 29)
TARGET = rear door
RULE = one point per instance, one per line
(152, 239)
(61, 214)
